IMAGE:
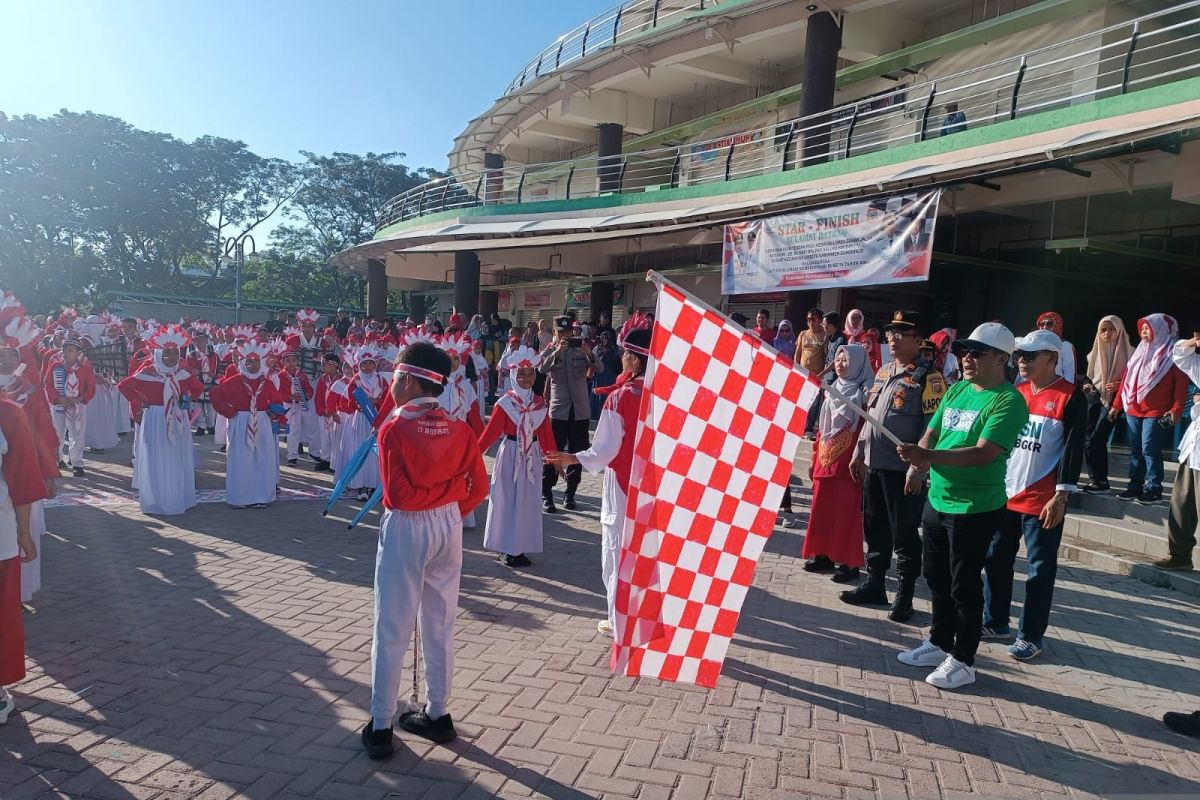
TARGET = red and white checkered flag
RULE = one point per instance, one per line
(721, 416)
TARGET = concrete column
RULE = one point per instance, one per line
(376, 288)
(493, 181)
(608, 150)
(466, 283)
(602, 300)
(822, 41)
(489, 302)
(416, 307)
(796, 306)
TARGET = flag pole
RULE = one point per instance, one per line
(658, 279)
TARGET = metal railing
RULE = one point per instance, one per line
(611, 27)
(1151, 50)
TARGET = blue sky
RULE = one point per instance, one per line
(348, 75)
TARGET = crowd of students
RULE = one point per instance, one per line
(993, 431)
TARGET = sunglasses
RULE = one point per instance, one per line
(1028, 355)
(974, 354)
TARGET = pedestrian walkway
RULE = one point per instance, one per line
(226, 653)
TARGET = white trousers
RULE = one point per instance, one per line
(70, 428)
(417, 567)
(302, 428)
(612, 525)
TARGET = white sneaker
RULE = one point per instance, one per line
(604, 626)
(790, 521)
(951, 674)
(927, 654)
(7, 704)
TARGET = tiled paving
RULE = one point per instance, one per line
(225, 653)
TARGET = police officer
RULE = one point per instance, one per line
(565, 363)
(904, 397)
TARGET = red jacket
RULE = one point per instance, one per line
(1167, 395)
(21, 466)
(233, 395)
(143, 393)
(83, 373)
(326, 405)
(427, 460)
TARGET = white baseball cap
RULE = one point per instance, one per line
(990, 334)
(1038, 341)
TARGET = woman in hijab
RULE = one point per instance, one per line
(785, 339)
(1105, 365)
(856, 333)
(1052, 321)
(835, 523)
(1151, 395)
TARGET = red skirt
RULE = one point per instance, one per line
(835, 523)
(12, 628)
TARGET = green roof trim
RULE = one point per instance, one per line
(1098, 110)
(1042, 13)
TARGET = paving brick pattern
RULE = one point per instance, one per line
(226, 654)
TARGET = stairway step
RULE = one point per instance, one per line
(1123, 562)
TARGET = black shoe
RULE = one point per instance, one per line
(521, 560)
(901, 608)
(818, 564)
(440, 730)
(364, 495)
(62, 464)
(1187, 724)
(1132, 493)
(1097, 487)
(223, 448)
(1175, 564)
(569, 502)
(378, 743)
(292, 462)
(198, 432)
(322, 466)
(77, 472)
(869, 594)
(1149, 497)
(844, 574)
(548, 505)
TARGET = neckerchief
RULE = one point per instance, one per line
(520, 405)
(252, 425)
(171, 394)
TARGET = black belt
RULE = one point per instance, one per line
(511, 438)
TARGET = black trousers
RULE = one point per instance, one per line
(890, 520)
(1096, 445)
(956, 547)
(571, 436)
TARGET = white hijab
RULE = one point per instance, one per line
(836, 414)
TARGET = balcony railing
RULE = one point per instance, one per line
(611, 27)
(1151, 50)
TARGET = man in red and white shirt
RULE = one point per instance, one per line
(1042, 470)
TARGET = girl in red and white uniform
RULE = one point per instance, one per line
(252, 463)
(521, 423)
(338, 389)
(20, 486)
(164, 459)
(612, 451)
(458, 399)
(203, 362)
(296, 391)
(17, 335)
(327, 416)
(357, 429)
(483, 376)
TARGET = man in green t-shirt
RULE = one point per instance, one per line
(965, 449)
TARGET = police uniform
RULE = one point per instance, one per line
(902, 398)
(570, 409)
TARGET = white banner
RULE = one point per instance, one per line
(880, 241)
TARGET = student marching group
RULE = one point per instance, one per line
(408, 392)
(978, 463)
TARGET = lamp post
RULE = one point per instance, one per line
(235, 250)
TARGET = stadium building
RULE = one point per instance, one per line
(1061, 134)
